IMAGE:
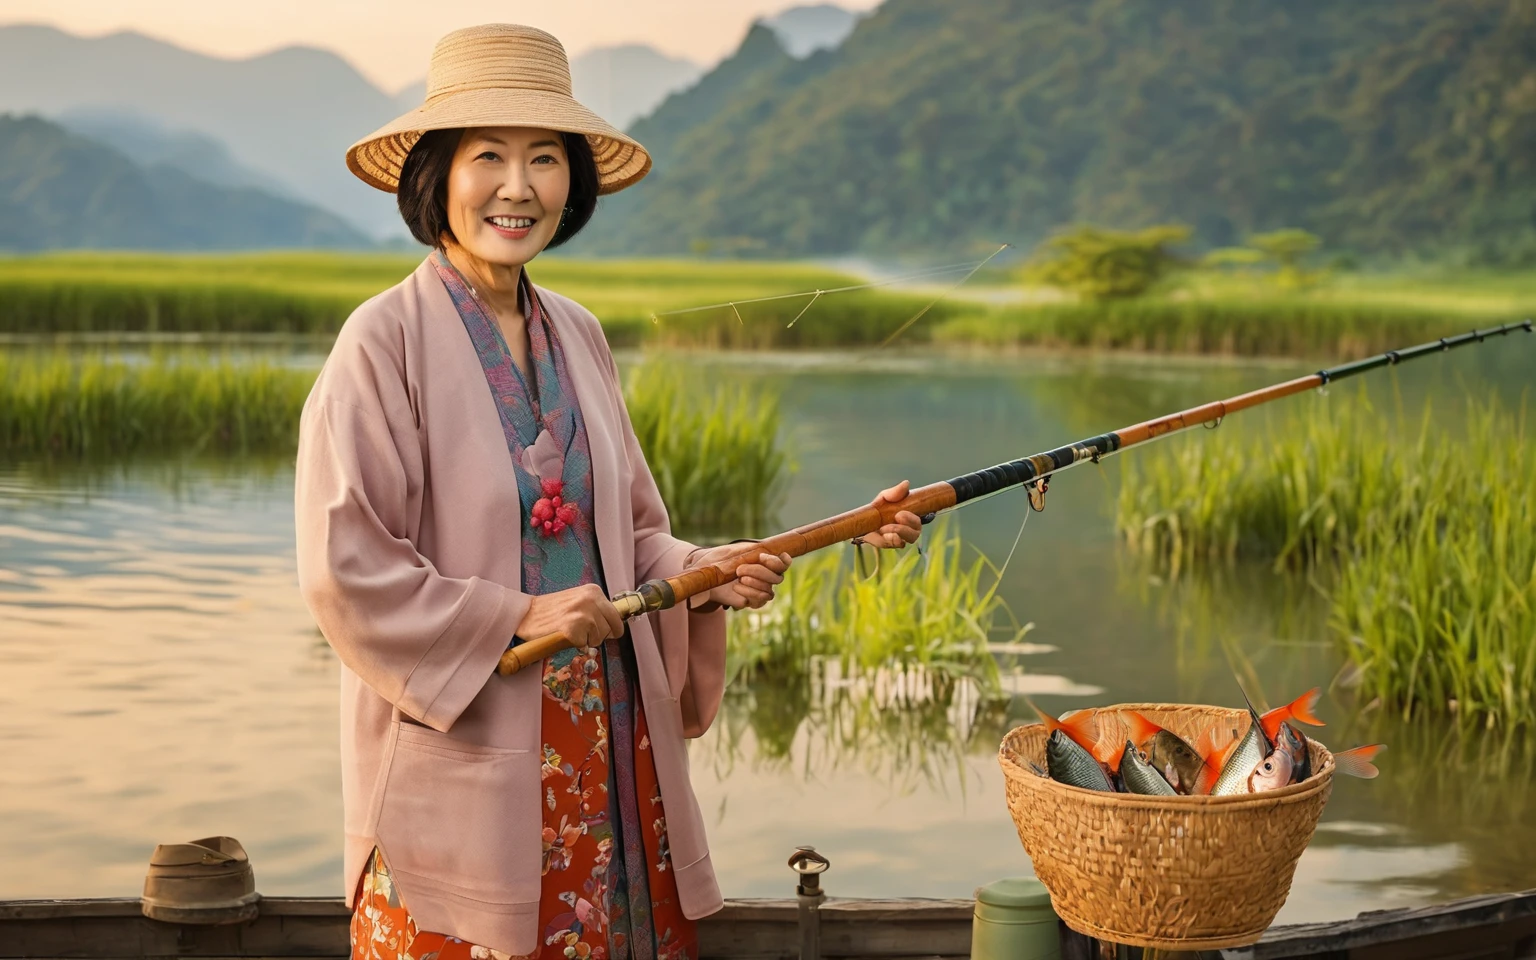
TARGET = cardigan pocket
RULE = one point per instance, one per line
(463, 816)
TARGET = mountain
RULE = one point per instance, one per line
(289, 114)
(621, 83)
(148, 143)
(59, 190)
(1389, 127)
(804, 30)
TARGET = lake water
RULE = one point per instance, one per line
(163, 680)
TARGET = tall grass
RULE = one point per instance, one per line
(1424, 540)
(932, 610)
(892, 672)
(59, 405)
(313, 293)
(1273, 324)
(715, 452)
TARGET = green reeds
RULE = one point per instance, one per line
(58, 405)
(715, 451)
(892, 671)
(1424, 541)
(1270, 325)
(313, 293)
(931, 610)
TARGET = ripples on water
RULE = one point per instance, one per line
(163, 680)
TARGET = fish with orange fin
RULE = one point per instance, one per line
(1299, 709)
(1214, 746)
(1241, 761)
(1356, 762)
(1167, 753)
(1082, 728)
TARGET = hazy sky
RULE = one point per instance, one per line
(391, 40)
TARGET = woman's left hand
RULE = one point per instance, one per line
(754, 582)
(907, 528)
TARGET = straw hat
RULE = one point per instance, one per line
(498, 75)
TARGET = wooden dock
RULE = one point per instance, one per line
(1497, 927)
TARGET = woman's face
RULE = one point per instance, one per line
(506, 189)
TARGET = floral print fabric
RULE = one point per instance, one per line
(608, 892)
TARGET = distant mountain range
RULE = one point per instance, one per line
(804, 30)
(281, 122)
(59, 190)
(1389, 127)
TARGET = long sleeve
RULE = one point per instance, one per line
(692, 643)
(426, 642)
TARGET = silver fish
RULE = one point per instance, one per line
(1250, 752)
(1142, 777)
(1070, 764)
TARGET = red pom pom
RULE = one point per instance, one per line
(555, 502)
(566, 514)
(543, 510)
(549, 527)
(559, 526)
(552, 488)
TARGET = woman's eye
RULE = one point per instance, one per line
(541, 158)
(489, 154)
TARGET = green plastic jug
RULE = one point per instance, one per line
(1014, 921)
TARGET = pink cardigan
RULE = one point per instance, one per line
(409, 558)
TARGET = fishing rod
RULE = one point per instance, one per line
(927, 502)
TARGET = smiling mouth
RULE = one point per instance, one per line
(510, 223)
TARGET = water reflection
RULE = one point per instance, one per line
(163, 680)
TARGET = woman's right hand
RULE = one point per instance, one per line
(583, 614)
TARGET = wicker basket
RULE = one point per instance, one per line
(1179, 873)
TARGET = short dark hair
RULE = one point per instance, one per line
(423, 193)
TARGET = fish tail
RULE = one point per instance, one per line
(1357, 761)
(1212, 758)
(1301, 708)
(1139, 727)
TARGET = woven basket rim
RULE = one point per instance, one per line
(1291, 793)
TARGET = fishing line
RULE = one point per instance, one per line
(919, 315)
(972, 265)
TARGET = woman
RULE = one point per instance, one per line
(467, 478)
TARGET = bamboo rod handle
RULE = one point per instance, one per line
(797, 542)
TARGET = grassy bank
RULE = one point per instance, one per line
(313, 293)
(55, 405)
(1422, 535)
(716, 453)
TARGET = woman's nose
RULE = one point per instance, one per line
(516, 186)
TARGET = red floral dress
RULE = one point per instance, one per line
(608, 891)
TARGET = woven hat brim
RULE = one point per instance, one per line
(377, 158)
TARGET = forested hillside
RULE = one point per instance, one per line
(1389, 127)
(59, 190)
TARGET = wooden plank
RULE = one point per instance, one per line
(1505, 913)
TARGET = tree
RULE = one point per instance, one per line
(1287, 248)
(1100, 264)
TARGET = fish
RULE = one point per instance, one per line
(1069, 763)
(1249, 753)
(1179, 763)
(1140, 776)
(1290, 740)
(1356, 762)
(1299, 709)
(1082, 727)
(1273, 772)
